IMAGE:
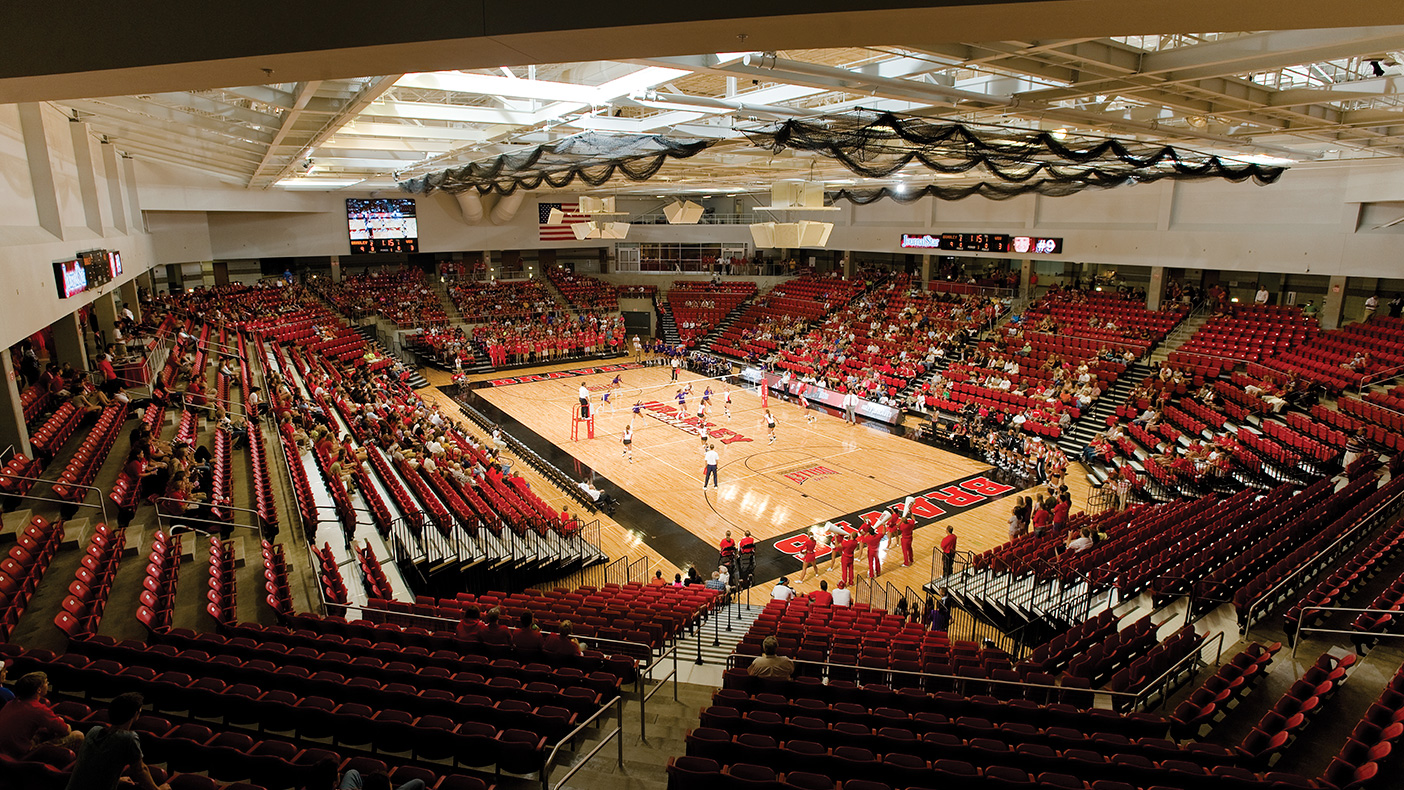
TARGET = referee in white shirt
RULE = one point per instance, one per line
(711, 460)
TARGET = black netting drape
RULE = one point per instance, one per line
(877, 145)
(590, 157)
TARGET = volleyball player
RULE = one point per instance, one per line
(618, 381)
(770, 425)
(726, 403)
(804, 404)
(629, 441)
(604, 401)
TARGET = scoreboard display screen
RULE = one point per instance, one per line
(382, 225)
(72, 278)
(982, 242)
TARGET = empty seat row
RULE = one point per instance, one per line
(24, 566)
(87, 594)
(1224, 688)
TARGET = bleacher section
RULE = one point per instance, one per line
(584, 293)
(699, 307)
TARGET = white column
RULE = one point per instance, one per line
(13, 431)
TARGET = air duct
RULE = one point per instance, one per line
(470, 205)
(507, 207)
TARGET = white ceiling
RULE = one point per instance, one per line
(1271, 96)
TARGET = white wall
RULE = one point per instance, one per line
(1304, 223)
(28, 295)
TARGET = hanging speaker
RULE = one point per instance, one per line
(763, 234)
(680, 213)
(556, 217)
(582, 230)
(614, 230)
(814, 234)
(787, 235)
(594, 205)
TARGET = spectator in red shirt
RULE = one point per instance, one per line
(1041, 518)
(27, 722)
(528, 634)
(470, 625)
(1060, 511)
(561, 643)
(948, 550)
(822, 596)
(493, 631)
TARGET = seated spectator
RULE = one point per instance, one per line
(324, 777)
(5, 694)
(769, 665)
(561, 643)
(822, 596)
(528, 634)
(658, 580)
(842, 595)
(470, 624)
(783, 591)
(715, 583)
(111, 753)
(27, 722)
(494, 632)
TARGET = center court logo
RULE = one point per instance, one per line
(800, 475)
(671, 416)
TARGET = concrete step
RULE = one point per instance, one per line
(14, 523)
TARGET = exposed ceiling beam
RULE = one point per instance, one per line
(228, 112)
(411, 131)
(136, 110)
(305, 92)
(370, 91)
(265, 94)
(1270, 50)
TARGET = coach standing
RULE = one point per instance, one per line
(711, 458)
(850, 406)
(948, 550)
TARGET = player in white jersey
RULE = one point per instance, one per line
(726, 403)
(628, 442)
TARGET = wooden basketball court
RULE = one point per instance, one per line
(827, 470)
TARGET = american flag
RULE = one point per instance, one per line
(560, 232)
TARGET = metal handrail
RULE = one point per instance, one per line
(1366, 523)
(101, 505)
(1353, 610)
(640, 673)
(1383, 375)
(618, 704)
(960, 679)
(162, 517)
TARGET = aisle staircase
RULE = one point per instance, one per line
(1094, 421)
(415, 380)
(1033, 607)
(725, 324)
(666, 324)
(738, 616)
